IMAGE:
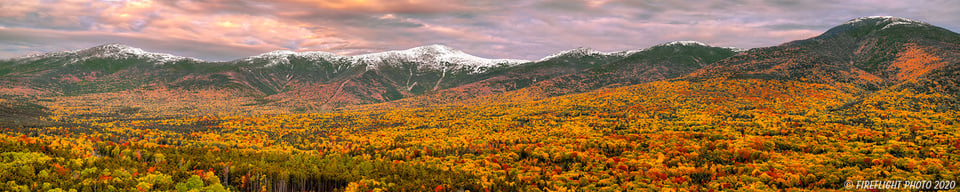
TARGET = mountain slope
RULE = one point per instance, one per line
(578, 70)
(869, 52)
(104, 68)
(861, 56)
(282, 75)
(320, 80)
(20, 111)
(317, 80)
(891, 66)
(660, 62)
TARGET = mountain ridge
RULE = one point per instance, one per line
(119, 48)
(870, 53)
(866, 45)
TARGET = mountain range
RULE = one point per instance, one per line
(875, 98)
(862, 56)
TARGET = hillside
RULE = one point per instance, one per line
(870, 53)
(335, 80)
(576, 71)
(873, 99)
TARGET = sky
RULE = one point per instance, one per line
(223, 30)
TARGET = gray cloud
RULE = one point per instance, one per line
(34, 41)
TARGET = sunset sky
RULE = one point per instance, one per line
(220, 30)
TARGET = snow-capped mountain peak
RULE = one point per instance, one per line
(684, 43)
(277, 53)
(584, 51)
(287, 53)
(884, 18)
(579, 51)
(121, 51)
(431, 56)
(283, 56)
(435, 49)
(116, 48)
(885, 21)
(434, 56)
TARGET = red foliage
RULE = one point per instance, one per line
(105, 177)
(62, 171)
(725, 186)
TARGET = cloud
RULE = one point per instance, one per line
(525, 29)
(388, 6)
(24, 41)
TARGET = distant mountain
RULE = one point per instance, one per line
(318, 79)
(502, 80)
(431, 56)
(582, 52)
(581, 70)
(870, 52)
(435, 56)
(659, 62)
(874, 58)
(866, 55)
(325, 80)
(105, 68)
(368, 78)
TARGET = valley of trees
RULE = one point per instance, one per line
(666, 135)
(876, 98)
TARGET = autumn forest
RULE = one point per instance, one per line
(867, 100)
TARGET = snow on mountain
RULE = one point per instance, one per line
(431, 56)
(884, 18)
(579, 52)
(287, 53)
(434, 56)
(683, 43)
(626, 52)
(737, 49)
(282, 56)
(108, 51)
(886, 21)
(584, 51)
(120, 51)
(697, 43)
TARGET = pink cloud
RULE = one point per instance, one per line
(506, 29)
(388, 6)
(18, 9)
